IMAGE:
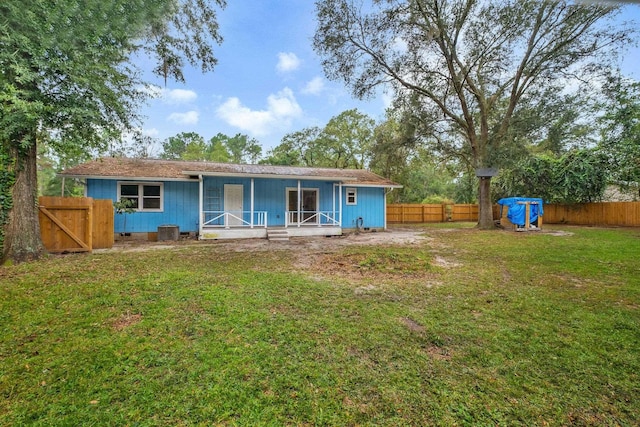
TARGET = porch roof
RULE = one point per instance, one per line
(153, 169)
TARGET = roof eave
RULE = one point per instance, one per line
(377, 185)
(272, 176)
(127, 178)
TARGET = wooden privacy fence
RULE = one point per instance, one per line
(419, 213)
(625, 214)
(75, 224)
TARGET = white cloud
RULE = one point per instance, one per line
(170, 96)
(314, 87)
(282, 108)
(188, 118)
(287, 61)
(179, 96)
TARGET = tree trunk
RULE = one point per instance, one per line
(22, 241)
(485, 215)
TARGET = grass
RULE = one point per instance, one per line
(467, 328)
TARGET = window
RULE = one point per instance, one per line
(146, 196)
(352, 196)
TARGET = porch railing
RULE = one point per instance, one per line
(228, 219)
(317, 218)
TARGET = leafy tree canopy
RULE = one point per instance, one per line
(621, 131)
(345, 142)
(301, 148)
(237, 149)
(465, 67)
(68, 71)
(579, 176)
(220, 148)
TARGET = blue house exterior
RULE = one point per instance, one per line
(220, 200)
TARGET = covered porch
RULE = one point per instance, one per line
(284, 207)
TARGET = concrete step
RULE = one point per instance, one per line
(278, 234)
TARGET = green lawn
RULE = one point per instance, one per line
(468, 328)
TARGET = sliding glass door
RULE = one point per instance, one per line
(308, 206)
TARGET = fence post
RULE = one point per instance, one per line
(89, 226)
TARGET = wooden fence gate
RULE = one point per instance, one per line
(75, 224)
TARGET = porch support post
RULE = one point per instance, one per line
(200, 207)
(384, 195)
(340, 203)
(299, 201)
(252, 193)
(387, 191)
(333, 197)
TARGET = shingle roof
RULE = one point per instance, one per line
(124, 168)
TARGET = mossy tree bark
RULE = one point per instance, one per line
(22, 241)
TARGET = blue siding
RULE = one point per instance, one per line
(270, 194)
(181, 202)
(180, 207)
(370, 207)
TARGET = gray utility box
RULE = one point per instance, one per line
(168, 232)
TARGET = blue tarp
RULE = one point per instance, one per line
(517, 214)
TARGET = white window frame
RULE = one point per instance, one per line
(354, 195)
(141, 185)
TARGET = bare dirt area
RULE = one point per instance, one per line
(390, 257)
(324, 256)
(394, 236)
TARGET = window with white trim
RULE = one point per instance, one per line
(145, 196)
(352, 196)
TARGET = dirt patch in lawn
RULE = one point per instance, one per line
(126, 320)
(336, 256)
(384, 262)
(441, 262)
(395, 236)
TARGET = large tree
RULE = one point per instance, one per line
(67, 70)
(621, 132)
(239, 148)
(300, 148)
(465, 66)
(394, 145)
(578, 176)
(184, 146)
(220, 148)
(345, 142)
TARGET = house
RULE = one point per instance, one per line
(222, 200)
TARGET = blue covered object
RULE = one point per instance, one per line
(517, 211)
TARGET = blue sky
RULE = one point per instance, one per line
(268, 81)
